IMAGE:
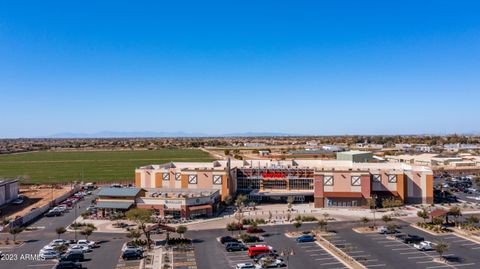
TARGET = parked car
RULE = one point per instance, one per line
(18, 201)
(132, 248)
(59, 242)
(232, 246)
(305, 238)
(412, 239)
(53, 213)
(272, 264)
(255, 230)
(424, 246)
(227, 239)
(68, 265)
(263, 255)
(131, 255)
(88, 243)
(79, 248)
(247, 265)
(385, 230)
(73, 257)
(49, 255)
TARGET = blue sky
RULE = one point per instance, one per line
(303, 67)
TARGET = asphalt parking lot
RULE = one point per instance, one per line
(211, 254)
(105, 256)
(377, 251)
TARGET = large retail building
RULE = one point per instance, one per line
(326, 183)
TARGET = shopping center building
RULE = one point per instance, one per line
(325, 183)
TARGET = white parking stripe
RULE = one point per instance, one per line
(404, 248)
(324, 259)
(376, 265)
(406, 253)
(465, 264)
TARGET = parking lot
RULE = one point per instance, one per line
(378, 251)
(211, 254)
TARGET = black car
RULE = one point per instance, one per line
(413, 239)
(235, 247)
(227, 239)
(132, 255)
(73, 257)
(68, 265)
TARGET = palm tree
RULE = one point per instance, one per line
(60, 231)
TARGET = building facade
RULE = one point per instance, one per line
(325, 183)
(8, 191)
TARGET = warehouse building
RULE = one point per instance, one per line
(8, 190)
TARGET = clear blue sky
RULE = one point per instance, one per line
(304, 67)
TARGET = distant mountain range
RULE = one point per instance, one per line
(110, 134)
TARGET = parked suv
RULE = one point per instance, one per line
(73, 257)
(234, 247)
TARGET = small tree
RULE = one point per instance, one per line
(455, 212)
(15, 231)
(297, 224)
(440, 248)
(322, 224)
(391, 228)
(181, 230)
(240, 202)
(423, 214)
(253, 205)
(140, 217)
(270, 216)
(472, 220)
(290, 201)
(438, 221)
(226, 152)
(60, 231)
(134, 234)
(87, 231)
(228, 200)
(365, 220)
(387, 219)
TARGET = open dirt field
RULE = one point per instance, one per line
(35, 197)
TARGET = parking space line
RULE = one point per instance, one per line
(470, 244)
(329, 263)
(427, 262)
(404, 248)
(476, 248)
(325, 259)
(356, 251)
(376, 265)
(464, 264)
(406, 253)
(419, 257)
(356, 256)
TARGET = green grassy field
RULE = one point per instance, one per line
(58, 167)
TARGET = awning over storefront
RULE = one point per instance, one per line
(114, 205)
(343, 194)
(200, 207)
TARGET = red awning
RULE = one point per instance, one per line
(199, 207)
(343, 194)
(438, 213)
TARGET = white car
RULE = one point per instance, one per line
(274, 263)
(47, 248)
(424, 246)
(83, 242)
(58, 242)
(79, 248)
(49, 254)
(131, 248)
(247, 265)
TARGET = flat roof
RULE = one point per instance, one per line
(118, 192)
(221, 165)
